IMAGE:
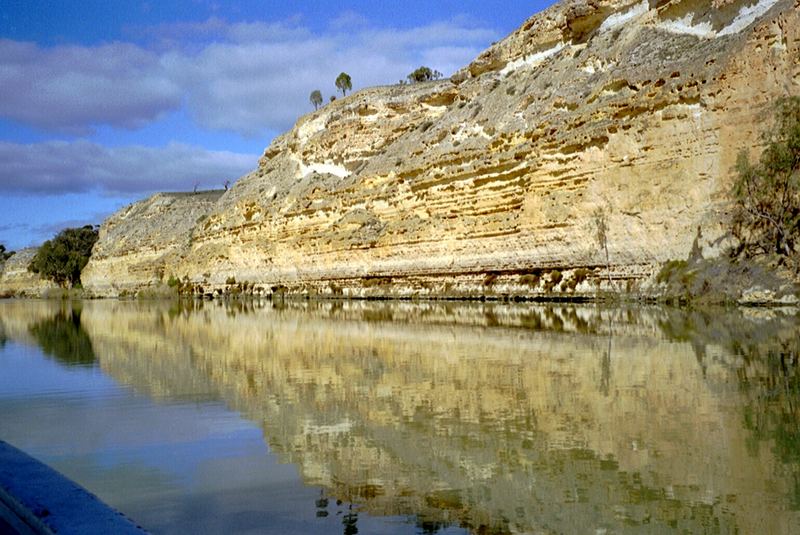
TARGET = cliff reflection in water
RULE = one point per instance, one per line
(497, 418)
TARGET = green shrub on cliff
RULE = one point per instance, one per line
(5, 255)
(63, 258)
(766, 218)
(555, 278)
(423, 74)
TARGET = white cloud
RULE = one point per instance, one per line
(248, 78)
(262, 84)
(72, 88)
(74, 167)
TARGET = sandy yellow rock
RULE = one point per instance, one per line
(635, 109)
(16, 280)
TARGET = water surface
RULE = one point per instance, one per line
(412, 418)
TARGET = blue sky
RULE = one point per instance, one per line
(105, 102)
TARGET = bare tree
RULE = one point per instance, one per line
(600, 222)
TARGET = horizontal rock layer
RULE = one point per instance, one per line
(628, 114)
(140, 241)
(16, 280)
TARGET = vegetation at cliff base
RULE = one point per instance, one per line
(765, 222)
(63, 258)
(766, 218)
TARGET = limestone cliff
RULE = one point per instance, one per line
(140, 241)
(626, 112)
(16, 280)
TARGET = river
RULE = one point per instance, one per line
(390, 418)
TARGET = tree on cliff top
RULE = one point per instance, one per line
(316, 98)
(344, 83)
(766, 217)
(63, 258)
(423, 74)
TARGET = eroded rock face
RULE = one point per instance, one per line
(627, 112)
(138, 244)
(17, 281)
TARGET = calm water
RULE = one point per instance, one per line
(399, 418)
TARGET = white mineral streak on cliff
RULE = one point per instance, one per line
(685, 25)
(702, 26)
(487, 183)
(535, 59)
(323, 168)
(747, 16)
(620, 18)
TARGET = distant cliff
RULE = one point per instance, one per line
(493, 182)
(141, 242)
(16, 280)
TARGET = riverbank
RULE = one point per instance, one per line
(696, 281)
